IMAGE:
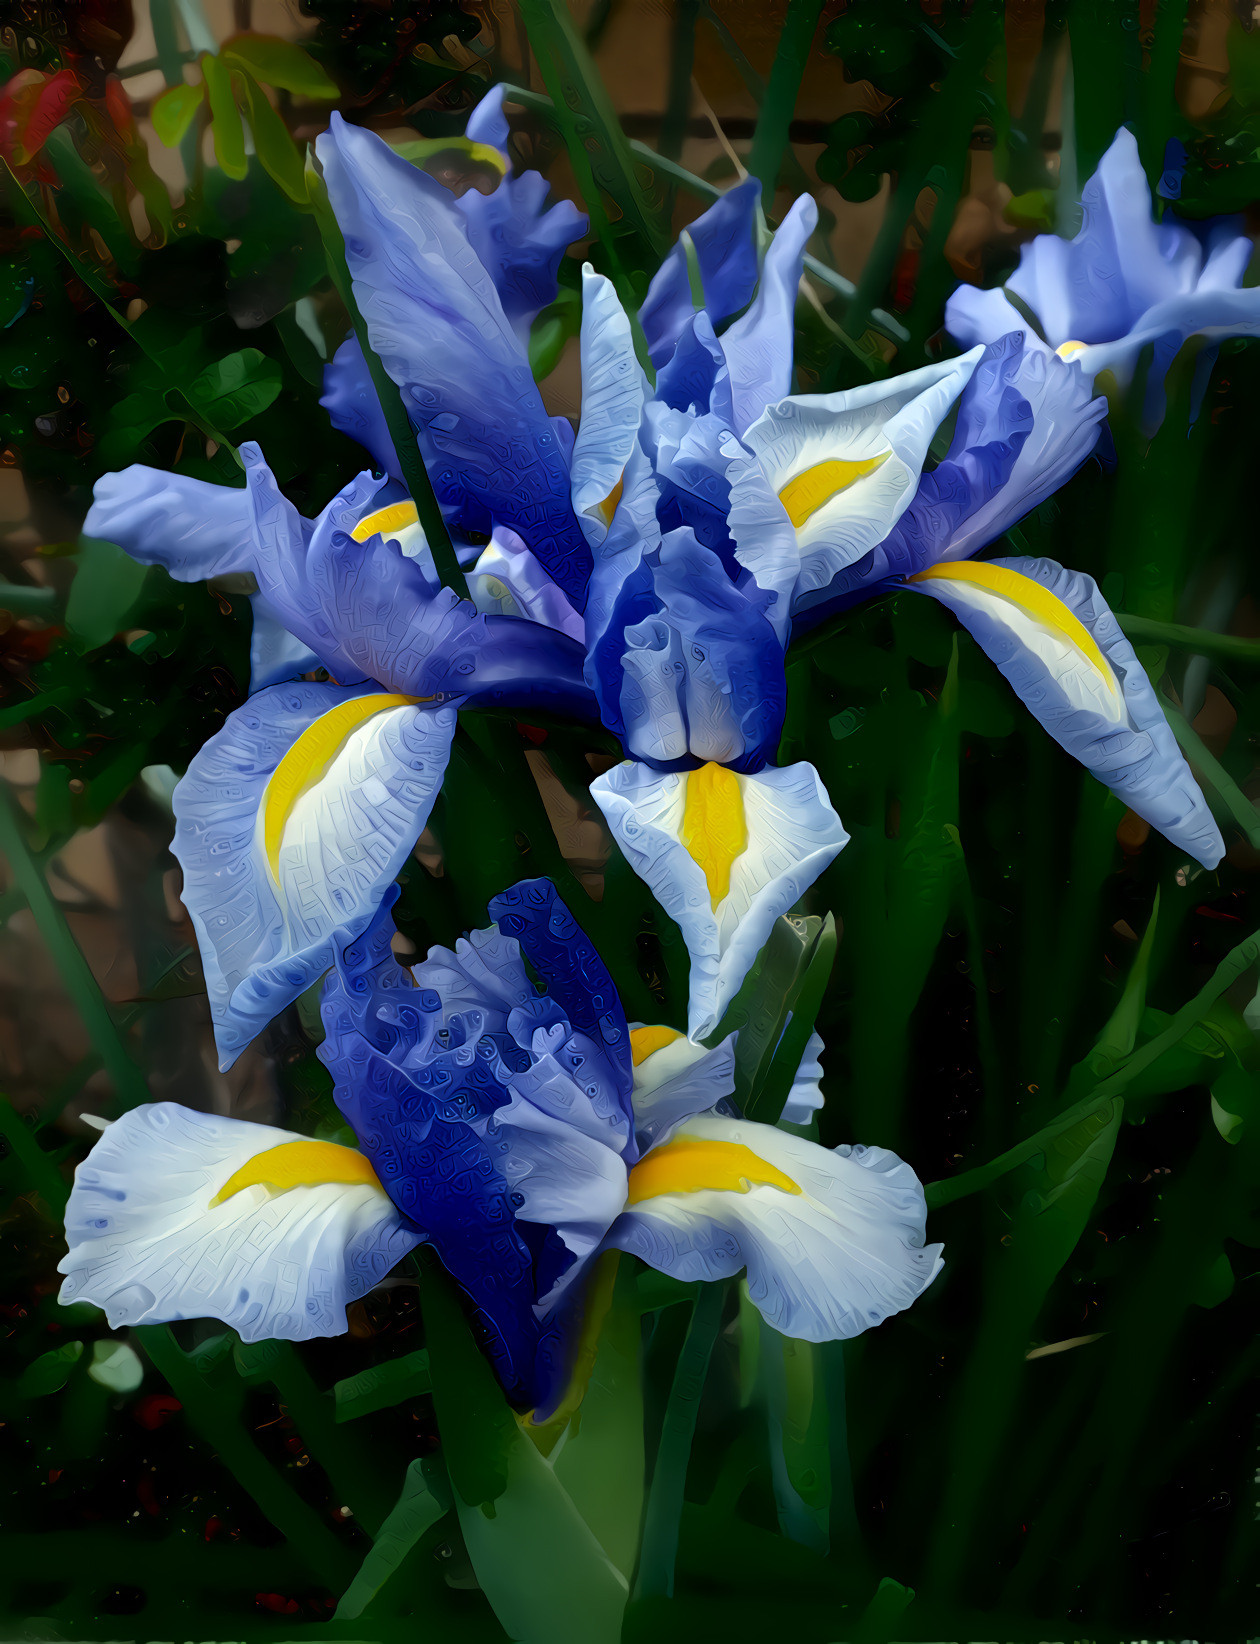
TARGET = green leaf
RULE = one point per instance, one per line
(50, 1372)
(107, 583)
(279, 63)
(277, 152)
(383, 1385)
(173, 112)
(237, 387)
(229, 134)
(425, 1497)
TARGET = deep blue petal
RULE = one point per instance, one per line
(726, 252)
(435, 318)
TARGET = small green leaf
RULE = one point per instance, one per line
(229, 134)
(276, 150)
(279, 63)
(236, 387)
(173, 112)
(382, 1385)
(50, 1372)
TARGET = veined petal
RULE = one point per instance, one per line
(434, 317)
(1055, 639)
(724, 855)
(293, 821)
(833, 1241)
(613, 392)
(758, 347)
(724, 245)
(183, 1215)
(843, 468)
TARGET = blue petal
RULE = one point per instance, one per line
(726, 252)
(758, 347)
(264, 942)
(194, 529)
(435, 319)
(1132, 751)
(274, 653)
(353, 407)
(613, 392)
(577, 978)
(519, 243)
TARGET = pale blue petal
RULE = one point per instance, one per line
(507, 580)
(194, 529)
(805, 1099)
(147, 1245)
(263, 941)
(677, 1082)
(1124, 741)
(758, 346)
(353, 406)
(274, 653)
(793, 834)
(824, 1264)
(613, 393)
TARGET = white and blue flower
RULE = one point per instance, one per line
(520, 1134)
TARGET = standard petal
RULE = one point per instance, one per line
(303, 1228)
(507, 580)
(292, 821)
(833, 1241)
(351, 401)
(274, 653)
(518, 240)
(674, 1079)
(1054, 637)
(724, 855)
(724, 242)
(758, 347)
(435, 318)
(834, 473)
(613, 392)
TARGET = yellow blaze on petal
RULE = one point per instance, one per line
(608, 507)
(690, 1165)
(300, 1164)
(1066, 350)
(713, 826)
(307, 761)
(1031, 597)
(646, 1041)
(396, 517)
(806, 494)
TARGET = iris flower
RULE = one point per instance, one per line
(1123, 284)
(521, 1134)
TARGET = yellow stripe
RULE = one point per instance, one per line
(713, 826)
(300, 1164)
(307, 761)
(1032, 597)
(646, 1041)
(396, 517)
(1066, 350)
(690, 1165)
(608, 507)
(806, 494)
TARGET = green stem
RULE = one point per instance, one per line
(669, 1477)
(28, 602)
(1229, 647)
(770, 139)
(76, 974)
(1212, 773)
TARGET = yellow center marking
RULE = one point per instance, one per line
(690, 1165)
(646, 1041)
(608, 507)
(300, 1164)
(396, 517)
(806, 494)
(307, 762)
(713, 826)
(1031, 597)
(1066, 350)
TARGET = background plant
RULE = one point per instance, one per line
(1036, 1002)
